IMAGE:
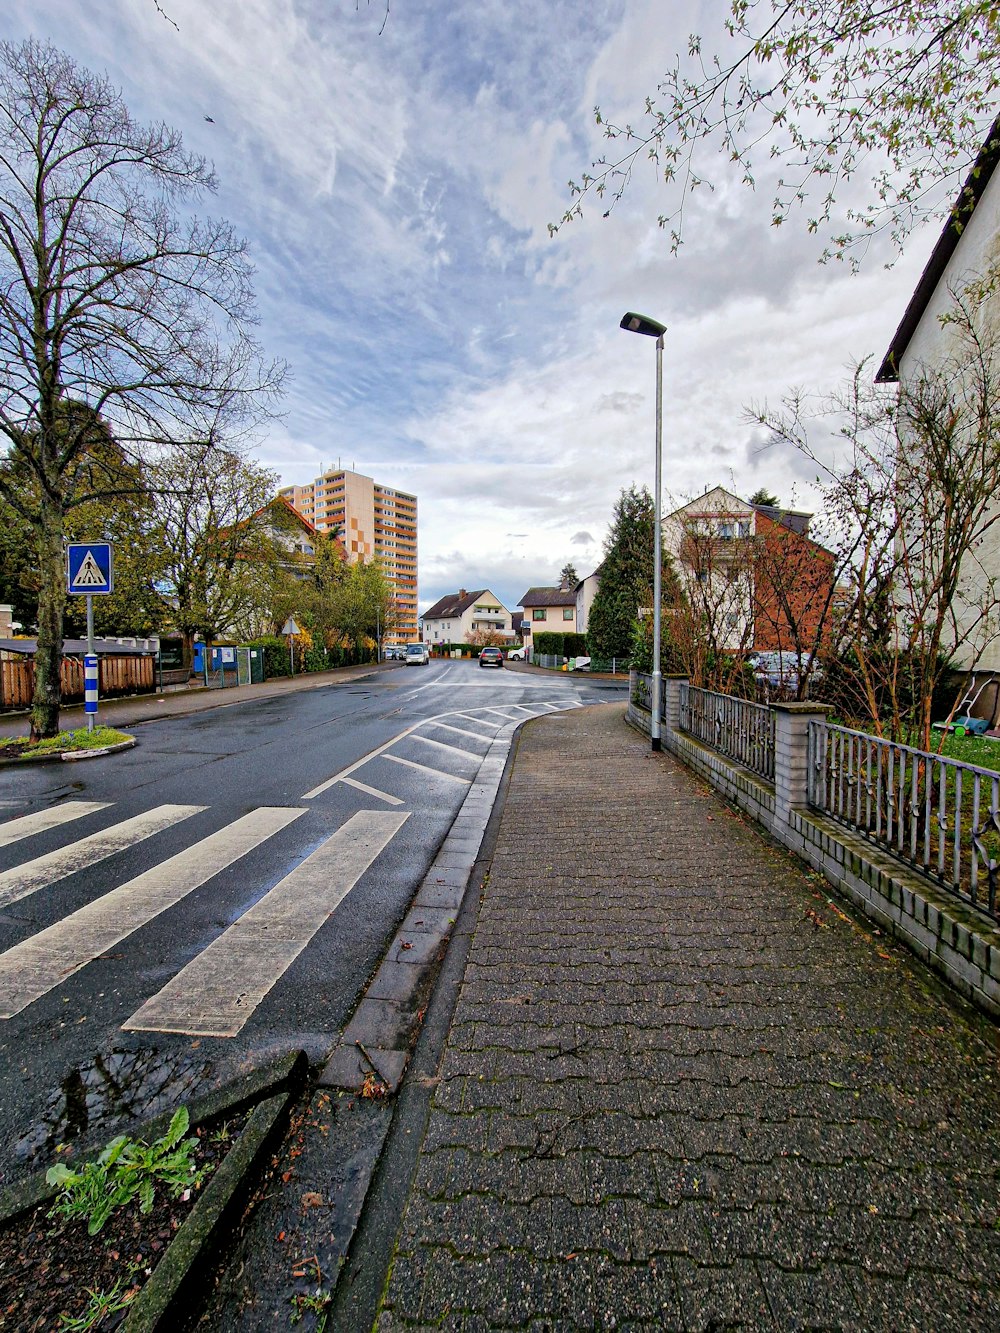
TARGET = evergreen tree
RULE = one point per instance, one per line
(626, 581)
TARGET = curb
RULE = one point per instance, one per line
(383, 1030)
(65, 756)
(274, 1087)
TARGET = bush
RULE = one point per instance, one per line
(548, 644)
(274, 652)
(575, 645)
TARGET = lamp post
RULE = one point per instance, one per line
(652, 328)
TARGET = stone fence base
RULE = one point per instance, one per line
(957, 942)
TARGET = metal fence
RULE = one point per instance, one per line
(939, 815)
(737, 728)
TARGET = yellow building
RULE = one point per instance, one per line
(371, 520)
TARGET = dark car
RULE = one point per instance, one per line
(491, 657)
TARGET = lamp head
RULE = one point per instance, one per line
(634, 323)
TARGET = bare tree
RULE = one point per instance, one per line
(904, 92)
(219, 562)
(111, 296)
(910, 507)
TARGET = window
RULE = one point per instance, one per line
(538, 613)
(568, 613)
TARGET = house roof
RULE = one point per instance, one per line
(549, 597)
(454, 604)
(961, 211)
(795, 519)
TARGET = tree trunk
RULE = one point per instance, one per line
(51, 604)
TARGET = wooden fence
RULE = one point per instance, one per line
(118, 673)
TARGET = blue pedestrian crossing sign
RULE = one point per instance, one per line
(89, 568)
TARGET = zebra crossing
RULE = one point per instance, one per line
(219, 989)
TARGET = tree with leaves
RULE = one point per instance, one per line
(221, 563)
(113, 297)
(626, 583)
(827, 90)
(363, 604)
(568, 577)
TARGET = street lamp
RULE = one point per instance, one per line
(652, 328)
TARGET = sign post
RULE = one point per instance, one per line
(289, 629)
(89, 571)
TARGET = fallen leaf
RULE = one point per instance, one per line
(311, 1199)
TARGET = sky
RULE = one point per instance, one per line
(395, 171)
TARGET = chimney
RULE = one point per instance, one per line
(462, 592)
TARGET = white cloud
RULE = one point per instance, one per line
(396, 191)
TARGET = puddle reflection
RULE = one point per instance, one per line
(116, 1087)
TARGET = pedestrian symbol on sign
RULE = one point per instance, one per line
(90, 574)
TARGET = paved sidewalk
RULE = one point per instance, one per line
(682, 1090)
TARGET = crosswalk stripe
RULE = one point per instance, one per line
(372, 791)
(219, 989)
(425, 768)
(34, 875)
(27, 825)
(30, 969)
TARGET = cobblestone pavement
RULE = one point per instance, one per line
(684, 1090)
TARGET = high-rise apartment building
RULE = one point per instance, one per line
(372, 520)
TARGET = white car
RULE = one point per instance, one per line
(417, 654)
(516, 655)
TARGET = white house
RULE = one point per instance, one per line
(458, 616)
(586, 591)
(967, 251)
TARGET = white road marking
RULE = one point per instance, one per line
(436, 721)
(34, 875)
(371, 791)
(32, 968)
(219, 989)
(27, 825)
(459, 731)
(448, 748)
(425, 768)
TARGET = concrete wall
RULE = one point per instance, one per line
(957, 942)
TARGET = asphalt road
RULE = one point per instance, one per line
(224, 890)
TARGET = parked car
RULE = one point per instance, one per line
(781, 670)
(491, 657)
(516, 655)
(390, 654)
(417, 654)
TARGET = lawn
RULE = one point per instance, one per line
(66, 742)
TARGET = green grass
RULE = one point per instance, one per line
(976, 750)
(65, 742)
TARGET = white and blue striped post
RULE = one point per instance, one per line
(90, 688)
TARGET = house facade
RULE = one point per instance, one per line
(462, 616)
(586, 591)
(548, 611)
(967, 252)
(751, 573)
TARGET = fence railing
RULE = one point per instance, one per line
(737, 728)
(939, 815)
